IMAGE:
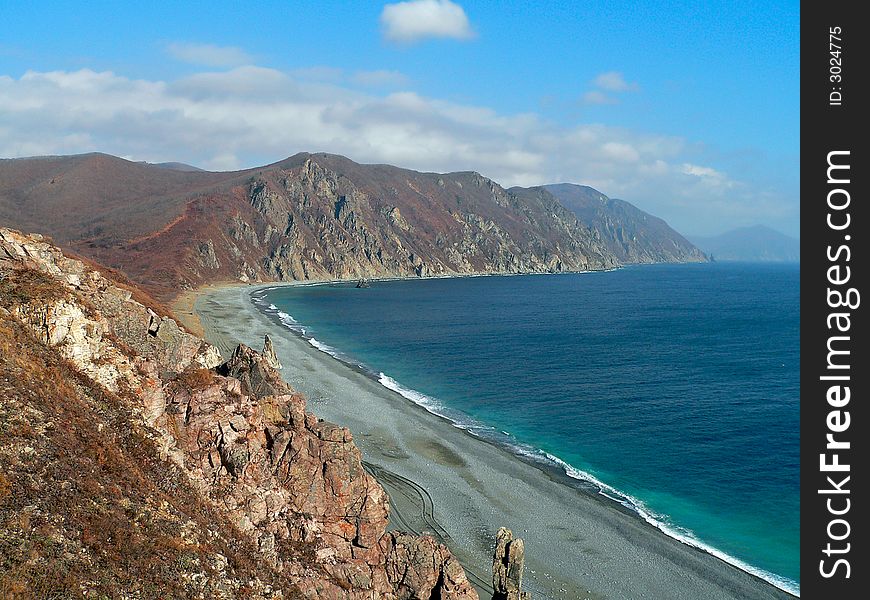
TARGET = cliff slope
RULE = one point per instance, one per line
(630, 234)
(135, 462)
(311, 216)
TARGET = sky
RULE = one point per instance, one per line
(689, 110)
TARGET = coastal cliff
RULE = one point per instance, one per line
(135, 460)
(630, 234)
(309, 217)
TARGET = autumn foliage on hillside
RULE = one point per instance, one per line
(87, 508)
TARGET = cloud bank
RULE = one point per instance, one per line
(416, 20)
(249, 115)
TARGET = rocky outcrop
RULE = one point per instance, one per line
(507, 567)
(269, 353)
(409, 568)
(292, 485)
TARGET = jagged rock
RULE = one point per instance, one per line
(507, 567)
(153, 322)
(269, 353)
(208, 356)
(255, 372)
(207, 256)
(410, 562)
(632, 235)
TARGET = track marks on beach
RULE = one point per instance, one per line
(413, 510)
(406, 495)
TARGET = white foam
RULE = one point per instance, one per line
(634, 504)
(286, 319)
(414, 396)
(679, 533)
(321, 346)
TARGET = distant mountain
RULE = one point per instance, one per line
(177, 166)
(752, 244)
(311, 216)
(631, 234)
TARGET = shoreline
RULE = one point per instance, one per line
(183, 305)
(567, 528)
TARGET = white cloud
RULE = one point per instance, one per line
(250, 116)
(699, 171)
(419, 19)
(598, 97)
(614, 81)
(620, 151)
(708, 175)
(209, 55)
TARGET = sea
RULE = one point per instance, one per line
(672, 389)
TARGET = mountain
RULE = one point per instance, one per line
(311, 216)
(751, 244)
(177, 166)
(171, 227)
(138, 462)
(631, 234)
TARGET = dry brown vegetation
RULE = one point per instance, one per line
(86, 505)
(29, 286)
(96, 502)
(119, 279)
(196, 379)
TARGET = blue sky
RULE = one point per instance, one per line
(689, 110)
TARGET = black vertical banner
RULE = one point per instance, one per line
(834, 338)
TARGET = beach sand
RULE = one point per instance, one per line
(446, 482)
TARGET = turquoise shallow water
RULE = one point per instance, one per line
(675, 387)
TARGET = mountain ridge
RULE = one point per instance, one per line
(311, 216)
(631, 234)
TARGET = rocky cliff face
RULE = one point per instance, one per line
(630, 234)
(134, 459)
(312, 216)
(329, 217)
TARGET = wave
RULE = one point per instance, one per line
(635, 505)
(414, 396)
(662, 523)
(325, 348)
(536, 455)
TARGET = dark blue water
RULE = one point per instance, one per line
(677, 385)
